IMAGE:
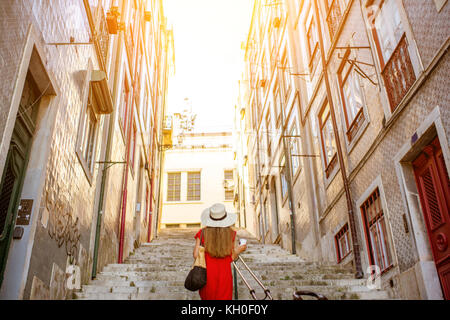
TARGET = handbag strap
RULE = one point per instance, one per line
(201, 237)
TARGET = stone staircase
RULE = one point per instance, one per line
(157, 270)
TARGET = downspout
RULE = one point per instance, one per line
(152, 181)
(260, 186)
(160, 142)
(130, 114)
(107, 158)
(102, 193)
(124, 187)
(287, 166)
(351, 216)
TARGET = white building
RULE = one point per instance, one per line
(197, 173)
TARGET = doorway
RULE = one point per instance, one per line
(11, 182)
(433, 185)
(274, 211)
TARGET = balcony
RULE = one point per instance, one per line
(334, 17)
(129, 44)
(99, 30)
(102, 36)
(398, 74)
(355, 125)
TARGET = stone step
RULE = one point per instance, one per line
(157, 270)
(138, 296)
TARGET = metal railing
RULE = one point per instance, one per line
(297, 295)
(398, 73)
(252, 291)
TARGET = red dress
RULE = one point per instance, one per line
(219, 281)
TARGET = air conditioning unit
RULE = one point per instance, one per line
(147, 16)
(276, 22)
(262, 83)
(228, 184)
(112, 20)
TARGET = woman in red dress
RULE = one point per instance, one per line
(218, 238)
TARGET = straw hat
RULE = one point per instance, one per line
(217, 216)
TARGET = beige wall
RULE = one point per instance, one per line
(211, 163)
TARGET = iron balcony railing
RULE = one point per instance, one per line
(398, 73)
(334, 18)
(102, 36)
(356, 125)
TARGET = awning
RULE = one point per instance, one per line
(101, 92)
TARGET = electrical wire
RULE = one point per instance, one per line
(35, 101)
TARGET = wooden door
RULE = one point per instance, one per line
(434, 191)
(15, 167)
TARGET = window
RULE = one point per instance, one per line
(278, 108)
(294, 146)
(262, 143)
(376, 232)
(193, 186)
(263, 68)
(229, 191)
(335, 11)
(284, 184)
(173, 186)
(132, 148)
(311, 35)
(389, 28)
(266, 217)
(147, 203)
(392, 48)
(352, 99)
(328, 139)
(87, 136)
(268, 132)
(145, 105)
(123, 108)
(286, 75)
(342, 241)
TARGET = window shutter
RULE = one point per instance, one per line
(433, 207)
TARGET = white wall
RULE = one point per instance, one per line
(211, 162)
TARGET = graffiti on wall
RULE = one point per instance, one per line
(63, 227)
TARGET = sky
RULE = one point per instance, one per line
(208, 57)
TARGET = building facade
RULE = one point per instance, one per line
(347, 132)
(199, 171)
(83, 99)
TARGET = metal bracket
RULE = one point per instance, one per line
(353, 47)
(354, 63)
(110, 163)
(71, 42)
(304, 155)
(68, 43)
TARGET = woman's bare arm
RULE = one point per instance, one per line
(237, 251)
(196, 248)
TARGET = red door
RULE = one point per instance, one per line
(434, 190)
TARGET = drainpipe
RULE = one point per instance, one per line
(287, 166)
(125, 183)
(160, 142)
(152, 180)
(130, 113)
(260, 186)
(351, 215)
(102, 193)
(106, 160)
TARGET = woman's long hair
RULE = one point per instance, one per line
(218, 241)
